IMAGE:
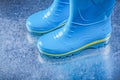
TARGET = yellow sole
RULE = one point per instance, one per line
(79, 49)
(38, 32)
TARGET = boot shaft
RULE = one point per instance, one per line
(90, 11)
(59, 6)
(62, 1)
(58, 3)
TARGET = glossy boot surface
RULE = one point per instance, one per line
(89, 26)
(50, 19)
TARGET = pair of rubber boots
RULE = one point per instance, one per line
(72, 26)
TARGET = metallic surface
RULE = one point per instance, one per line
(20, 59)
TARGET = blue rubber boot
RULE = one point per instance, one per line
(89, 26)
(50, 19)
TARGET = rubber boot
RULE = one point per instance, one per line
(50, 19)
(89, 26)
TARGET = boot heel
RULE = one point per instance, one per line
(102, 44)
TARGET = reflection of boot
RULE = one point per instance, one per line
(89, 25)
(50, 19)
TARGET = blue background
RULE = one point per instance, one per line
(20, 58)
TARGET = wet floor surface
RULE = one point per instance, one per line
(21, 60)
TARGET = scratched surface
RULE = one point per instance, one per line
(20, 59)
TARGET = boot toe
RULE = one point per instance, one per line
(36, 24)
(50, 46)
